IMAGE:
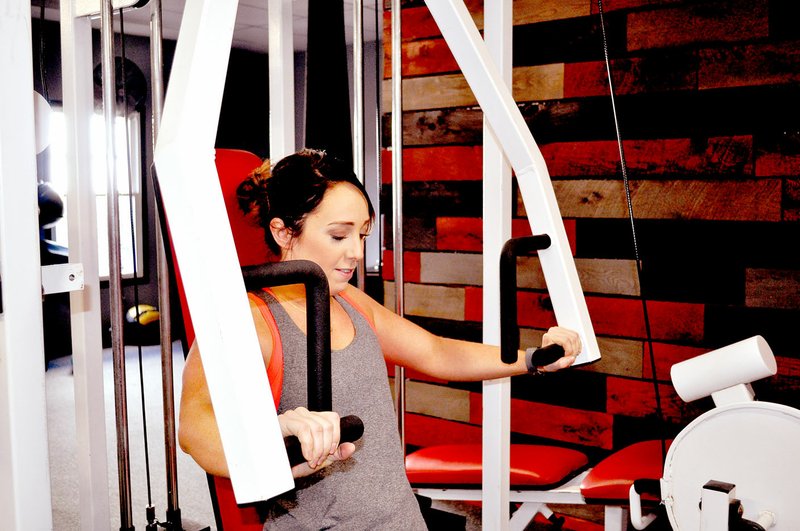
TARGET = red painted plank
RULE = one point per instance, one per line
(728, 21)
(612, 5)
(411, 266)
(666, 355)
(535, 310)
(636, 398)
(423, 57)
(750, 65)
(635, 75)
(717, 156)
(439, 163)
(459, 234)
(473, 304)
(670, 321)
(466, 234)
(777, 164)
(418, 22)
(428, 431)
(589, 428)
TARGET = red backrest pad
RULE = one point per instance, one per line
(232, 166)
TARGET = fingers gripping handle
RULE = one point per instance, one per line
(351, 429)
(546, 355)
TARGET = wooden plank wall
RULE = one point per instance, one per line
(707, 99)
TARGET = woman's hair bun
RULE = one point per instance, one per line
(251, 193)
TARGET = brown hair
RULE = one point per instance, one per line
(292, 189)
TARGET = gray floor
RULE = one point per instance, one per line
(193, 497)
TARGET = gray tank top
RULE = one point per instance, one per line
(370, 490)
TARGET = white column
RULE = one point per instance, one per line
(206, 254)
(281, 79)
(24, 463)
(496, 230)
(494, 96)
(85, 309)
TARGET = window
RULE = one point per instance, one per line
(128, 141)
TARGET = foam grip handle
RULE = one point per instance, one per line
(547, 355)
(351, 428)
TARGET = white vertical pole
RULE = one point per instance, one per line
(206, 254)
(85, 309)
(281, 79)
(496, 230)
(24, 463)
(495, 98)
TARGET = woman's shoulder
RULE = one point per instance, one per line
(362, 302)
(264, 323)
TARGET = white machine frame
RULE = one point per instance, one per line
(184, 157)
(735, 441)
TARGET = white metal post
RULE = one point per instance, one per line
(206, 255)
(497, 202)
(85, 308)
(494, 97)
(281, 79)
(24, 462)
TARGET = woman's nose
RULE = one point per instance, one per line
(357, 249)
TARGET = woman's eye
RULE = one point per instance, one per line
(338, 238)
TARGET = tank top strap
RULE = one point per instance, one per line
(359, 309)
(275, 366)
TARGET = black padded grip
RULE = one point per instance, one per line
(547, 355)
(351, 428)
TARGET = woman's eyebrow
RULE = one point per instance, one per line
(346, 223)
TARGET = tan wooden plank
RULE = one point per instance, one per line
(451, 268)
(418, 23)
(748, 200)
(532, 11)
(530, 83)
(772, 288)
(425, 300)
(437, 401)
(597, 275)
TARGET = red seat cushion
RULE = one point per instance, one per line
(611, 478)
(460, 464)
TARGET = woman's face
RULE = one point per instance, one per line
(333, 235)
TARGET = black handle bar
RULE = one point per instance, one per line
(351, 429)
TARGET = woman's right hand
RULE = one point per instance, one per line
(318, 433)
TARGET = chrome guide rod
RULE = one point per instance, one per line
(173, 514)
(114, 263)
(358, 110)
(397, 203)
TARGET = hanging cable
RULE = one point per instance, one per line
(42, 69)
(151, 520)
(626, 184)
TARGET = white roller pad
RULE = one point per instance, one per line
(740, 363)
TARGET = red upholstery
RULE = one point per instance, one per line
(611, 478)
(532, 465)
(232, 166)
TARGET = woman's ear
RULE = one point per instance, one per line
(281, 233)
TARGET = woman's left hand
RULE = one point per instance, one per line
(569, 340)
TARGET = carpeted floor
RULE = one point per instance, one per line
(193, 497)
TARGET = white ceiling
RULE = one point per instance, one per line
(250, 31)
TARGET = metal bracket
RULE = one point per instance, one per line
(61, 278)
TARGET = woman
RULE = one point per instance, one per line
(312, 207)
